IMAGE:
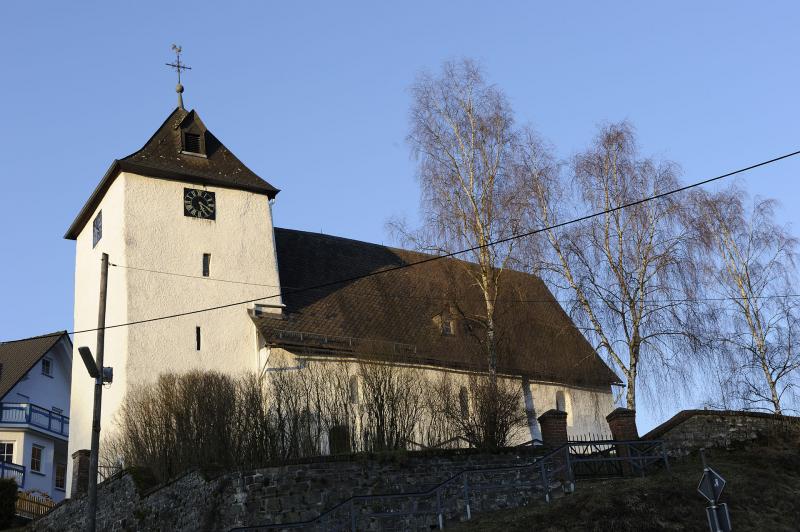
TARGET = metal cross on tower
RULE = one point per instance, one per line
(178, 66)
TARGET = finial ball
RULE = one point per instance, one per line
(179, 88)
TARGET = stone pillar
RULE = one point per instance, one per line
(80, 472)
(554, 428)
(622, 422)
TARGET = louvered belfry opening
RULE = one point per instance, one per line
(191, 143)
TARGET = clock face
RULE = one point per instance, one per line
(199, 204)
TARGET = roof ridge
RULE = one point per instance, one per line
(54, 334)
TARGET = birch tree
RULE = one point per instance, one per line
(752, 315)
(625, 272)
(463, 136)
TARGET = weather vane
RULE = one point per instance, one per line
(178, 66)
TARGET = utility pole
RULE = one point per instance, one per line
(98, 398)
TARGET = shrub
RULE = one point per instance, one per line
(8, 501)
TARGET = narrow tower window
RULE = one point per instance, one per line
(197, 336)
(206, 264)
(97, 228)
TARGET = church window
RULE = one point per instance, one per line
(97, 228)
(47, 367)
(197, 337)
(7, 451)
(61, 476)
(463, 400)
(206, 264)
(37, 452)
(561, 403)
(354, 389)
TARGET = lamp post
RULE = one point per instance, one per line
(100, 375)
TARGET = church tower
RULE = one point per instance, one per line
(186, 226)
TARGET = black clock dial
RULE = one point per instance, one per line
(199, 204)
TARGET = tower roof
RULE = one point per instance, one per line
(164, 157)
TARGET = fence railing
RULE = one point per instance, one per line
(26, 413)
(612, 458)
(31, 506)
(455, 497)
(15, 471)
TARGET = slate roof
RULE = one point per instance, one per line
(18, 356)
(396, 315)
(161, 157)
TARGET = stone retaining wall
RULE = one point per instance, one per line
(690, 430)
(296, 492)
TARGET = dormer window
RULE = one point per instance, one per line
(194, 143)
(447, 327)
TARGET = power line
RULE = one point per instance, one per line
(454, 253)
(369, 293)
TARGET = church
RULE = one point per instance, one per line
(187, 226)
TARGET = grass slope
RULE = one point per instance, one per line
(762, 493)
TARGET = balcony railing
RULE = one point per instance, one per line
(15, 471)
(36, 416)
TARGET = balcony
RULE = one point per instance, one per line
(15, 471)
(21, 414)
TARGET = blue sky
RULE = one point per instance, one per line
(313, 97)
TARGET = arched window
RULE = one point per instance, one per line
(354, 389)
(561, 403)
(463, 400)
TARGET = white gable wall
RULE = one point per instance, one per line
(44, 391)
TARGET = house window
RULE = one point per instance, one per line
(97, 228)
(463, 400)
(197, 337)
(47, 367)
(354, 389)
(206, 264)
(36, 458)
(61, 476)
(57, 410)
(7, 452)
(561, 403)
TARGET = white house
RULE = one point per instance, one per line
(188, 226)
(35, 376)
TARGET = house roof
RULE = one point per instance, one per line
(397, 315)
(18, 356)
(161, 157)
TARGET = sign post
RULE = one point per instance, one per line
(710, 487)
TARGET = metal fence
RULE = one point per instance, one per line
(470, 490)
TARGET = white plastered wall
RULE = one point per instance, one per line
(144, 228)
(586, 408)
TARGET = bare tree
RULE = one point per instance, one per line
(627, 269)
(485, 413)
(463, 135)
(753, 320)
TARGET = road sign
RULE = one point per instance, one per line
(711, 485)
(718, 518)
